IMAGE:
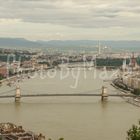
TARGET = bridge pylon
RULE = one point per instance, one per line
(104, 94)
(18, 94)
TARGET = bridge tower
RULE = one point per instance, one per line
(18, 94)
(104, 94)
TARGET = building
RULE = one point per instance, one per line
(133, 63)
(132, 66)
(131, 80)
(3, 71)
(9, 131)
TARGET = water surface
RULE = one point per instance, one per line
(74, 118)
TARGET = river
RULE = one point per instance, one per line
(74, 118)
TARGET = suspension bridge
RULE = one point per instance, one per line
(102, 93)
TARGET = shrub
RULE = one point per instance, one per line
(134, 132)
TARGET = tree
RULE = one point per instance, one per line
(58, 139)
(137, 91)
(134, 132)
(1, 77)
(61, 138)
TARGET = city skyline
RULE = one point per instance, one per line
(70, 20)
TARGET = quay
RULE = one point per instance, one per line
(134, 101)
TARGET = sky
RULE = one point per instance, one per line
(70, 19)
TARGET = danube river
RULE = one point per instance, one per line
(74, 118)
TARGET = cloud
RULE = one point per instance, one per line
(75, 13)
(9, 21)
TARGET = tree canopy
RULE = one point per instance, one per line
(134, 132)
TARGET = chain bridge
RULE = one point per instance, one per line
(102, 93)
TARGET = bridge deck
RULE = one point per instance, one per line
(67, 95)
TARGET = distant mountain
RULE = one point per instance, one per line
(91, 44)
(17, 43)
(64, 45)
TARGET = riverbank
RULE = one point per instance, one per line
(126, 91)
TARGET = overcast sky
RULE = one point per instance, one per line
(70, 19)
